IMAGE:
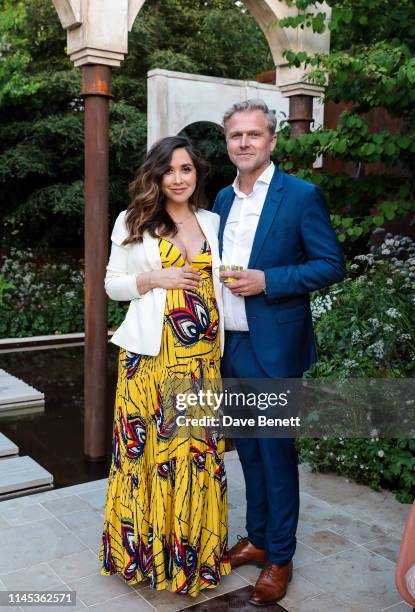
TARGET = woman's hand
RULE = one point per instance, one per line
(169, 278)
(176, 278)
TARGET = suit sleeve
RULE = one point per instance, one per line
(119, 285)
(325, 263)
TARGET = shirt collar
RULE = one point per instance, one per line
(265, 179)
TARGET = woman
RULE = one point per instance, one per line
(166, 508)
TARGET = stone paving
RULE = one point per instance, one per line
(348, 541)
(17, 397)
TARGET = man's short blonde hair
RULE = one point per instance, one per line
(249, 106)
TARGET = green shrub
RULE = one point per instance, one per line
(44, 298)
(364, 326)
(364, 329)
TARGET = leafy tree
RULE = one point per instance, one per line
(41, 112)
(371, 66)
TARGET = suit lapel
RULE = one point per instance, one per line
(224, 214)
(269, 210)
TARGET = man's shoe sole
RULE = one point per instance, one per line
(271, 601)
(265, 603)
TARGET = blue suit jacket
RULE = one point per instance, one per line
(298, 250)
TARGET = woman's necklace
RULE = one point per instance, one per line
(183, 220)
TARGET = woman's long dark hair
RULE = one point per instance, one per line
(147, 211)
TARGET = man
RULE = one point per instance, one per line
(277, 228)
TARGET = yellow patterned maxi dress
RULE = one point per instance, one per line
(166, 508)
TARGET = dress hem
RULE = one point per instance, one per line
(225, 570)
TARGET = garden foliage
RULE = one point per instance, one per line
(365, 326)
(41, 112)
(371, 66)
(364, 329)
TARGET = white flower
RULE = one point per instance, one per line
(393, 313)
(405, 336)
(350, 363)
(389, 281)
(377, 348)
(356, 336)
(374, 322)
(320, 305)
(381, 453)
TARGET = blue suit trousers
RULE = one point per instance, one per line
(270, 467)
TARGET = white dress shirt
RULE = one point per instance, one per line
(238, 238)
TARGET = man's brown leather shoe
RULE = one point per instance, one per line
(245, 552)
(272, 583)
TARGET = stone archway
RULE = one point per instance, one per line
(98, 30)
(177, 99)
(172, 97)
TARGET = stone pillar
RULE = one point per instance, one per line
(292, 81)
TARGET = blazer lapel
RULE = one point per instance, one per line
(269, 210)
(224, 214)
(151, 248)
(206, 227)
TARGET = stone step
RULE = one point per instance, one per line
(17, 397)
(7, 447)
(22, 475)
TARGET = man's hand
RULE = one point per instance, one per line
(249, 282)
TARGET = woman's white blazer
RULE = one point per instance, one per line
(141, 330)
